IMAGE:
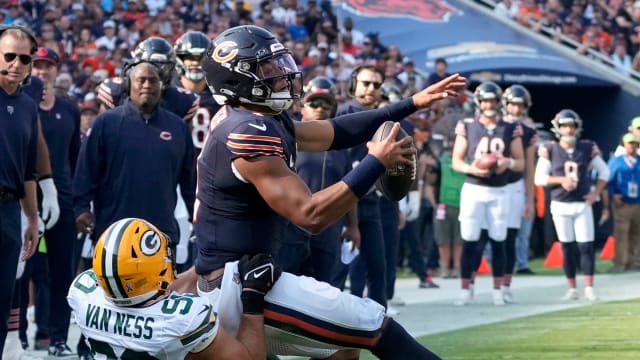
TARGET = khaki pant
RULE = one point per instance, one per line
(626, 230)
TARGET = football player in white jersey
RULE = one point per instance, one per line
(565, 166)
(126, 307)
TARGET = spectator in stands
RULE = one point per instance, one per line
(298, 30)
(100, 61)
(347, 28)
(529, 11)
(109, 39)
(550, 21)
(366, 55)
(596, 39)
(570, 29)
(88, 113)
(348, 47)
(411, 81)
(622, 61)
(440, 73)
(507, 8)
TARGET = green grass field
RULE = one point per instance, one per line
(608, 331)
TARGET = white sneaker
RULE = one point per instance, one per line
(572, 294)
(397, 301)
(466, 295)
(589, 294)
(497, 297)
(12, 347)
(507, 295)
(391, 311)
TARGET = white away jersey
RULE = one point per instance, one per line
(168, 329)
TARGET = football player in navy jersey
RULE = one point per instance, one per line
(60, 121)
(189, 49)
(182, 102)
(565, 166)
(516, 101)
(484, 199)
(248, 190)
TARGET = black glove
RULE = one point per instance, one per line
(258, 274)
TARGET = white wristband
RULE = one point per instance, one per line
(465, 168)
(512, 163)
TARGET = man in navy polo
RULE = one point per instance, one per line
(18, 148)
(133, 159)
(60, 121)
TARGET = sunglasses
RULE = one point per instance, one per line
(11, 56)
(314, 104)
(376, 85)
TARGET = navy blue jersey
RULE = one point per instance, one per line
(61, 130)
(232, 218)
(130, 166)
(529, 138)
(574, 164)
(322, 169)
(482, 140)
(202, 117)
(176, 100)
(18, 140)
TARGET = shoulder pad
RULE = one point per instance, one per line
(255, 137)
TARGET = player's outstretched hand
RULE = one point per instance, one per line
(444, 88)
(258, 272)
(392, 151)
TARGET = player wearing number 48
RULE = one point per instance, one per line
(483, 198)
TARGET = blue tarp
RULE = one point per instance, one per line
(472, 43)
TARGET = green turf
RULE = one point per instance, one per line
(604, 331)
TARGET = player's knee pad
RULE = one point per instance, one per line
(470, 229)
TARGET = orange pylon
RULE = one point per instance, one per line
(484, 267)
(609, 248)
(554, 257)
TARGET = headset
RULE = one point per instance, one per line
(32, 50)
(353, 78)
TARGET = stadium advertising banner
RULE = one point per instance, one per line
(473, 44)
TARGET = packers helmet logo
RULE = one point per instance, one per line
(225, 51)
(150, 243)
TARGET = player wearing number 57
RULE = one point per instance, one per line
(126, 308)
(565, 166)
(134, 158)
(484, 201)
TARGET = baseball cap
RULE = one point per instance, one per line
(77, 6)
(407, 60)
(109, 24)
(635, 122)
(367, 40)
(629, 138)
(46, 54)
(89, 106)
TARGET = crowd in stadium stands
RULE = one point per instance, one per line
(610, 28)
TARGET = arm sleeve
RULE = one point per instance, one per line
(252, 139)
(601, 168)
(88, 167)
(356, 128)
(188, 174)
(543, 167)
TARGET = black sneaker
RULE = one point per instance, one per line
(428, 285)
(61, 350)
(525, 271)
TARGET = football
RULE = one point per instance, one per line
(486, 162)
(396, 182)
